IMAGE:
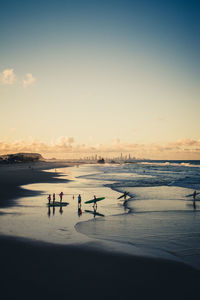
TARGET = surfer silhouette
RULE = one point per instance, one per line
(125, 195)
(49, 198)
(61, 196)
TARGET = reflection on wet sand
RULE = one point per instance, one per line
(54, 210)
(94, 213)
(79, 211)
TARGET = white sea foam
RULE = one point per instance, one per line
(167, 163)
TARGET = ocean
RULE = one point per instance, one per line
(158, 218)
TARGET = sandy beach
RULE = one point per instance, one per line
(34, 269)
(31, 268)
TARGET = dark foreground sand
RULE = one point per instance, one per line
(45, 271)
(35, 270)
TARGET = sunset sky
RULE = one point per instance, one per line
(85, 76)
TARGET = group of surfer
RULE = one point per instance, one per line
(54, 197)
(54, 203)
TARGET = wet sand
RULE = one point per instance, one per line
(32, 269)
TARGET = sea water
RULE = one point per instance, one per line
(157, 219)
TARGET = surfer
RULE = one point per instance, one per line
(49, 198)
(125, 194)
(61, 196)
(79, 200)
(54, 198)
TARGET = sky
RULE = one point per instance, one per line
(85, 76)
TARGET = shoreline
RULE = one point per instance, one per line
(16, 175)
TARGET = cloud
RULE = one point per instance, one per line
(66, 147)
(7, 77)
(185, 143)
(29, 81)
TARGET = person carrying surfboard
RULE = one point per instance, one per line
(125, 195)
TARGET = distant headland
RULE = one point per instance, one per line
(20, 158)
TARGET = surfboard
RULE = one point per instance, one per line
(125, 194)
(92, 201)
(58, 204)
(94, 213)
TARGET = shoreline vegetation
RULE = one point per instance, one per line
(31, 269)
